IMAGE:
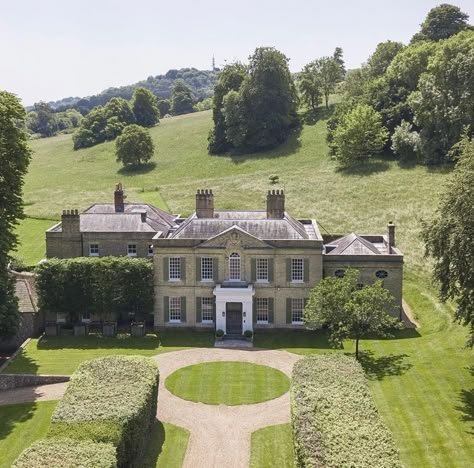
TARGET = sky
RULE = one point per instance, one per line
(52, 49)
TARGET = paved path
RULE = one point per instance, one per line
(220, 435)
(29, 394)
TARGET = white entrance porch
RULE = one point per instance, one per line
(234, 301)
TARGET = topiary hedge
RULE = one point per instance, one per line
(63, 452)
(334, 418)
(110, 400)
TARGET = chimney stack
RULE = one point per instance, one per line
(70, 222)
(204, 204)
(391, 236)
(119, 198)
(275, 204)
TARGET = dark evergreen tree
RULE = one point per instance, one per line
(14, 160)
(145, 107)
(182, 99)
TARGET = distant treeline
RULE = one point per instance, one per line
(201, 83)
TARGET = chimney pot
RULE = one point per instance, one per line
(204, 203)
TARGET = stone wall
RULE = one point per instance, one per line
(30, 325)
(12, 381)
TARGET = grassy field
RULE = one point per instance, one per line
(227, 383)
(272, 447)
(20, 426)
(62, 355)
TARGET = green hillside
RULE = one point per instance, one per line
(421, 380)
(60, 178)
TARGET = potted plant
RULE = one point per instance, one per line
(137, 329)
(219, 335)
(248, 335)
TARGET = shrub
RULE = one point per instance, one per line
(405, 142)
(248, 333)
(335, 421)
(134, 146)
(219, 333)
(110, 400)
(68, 453)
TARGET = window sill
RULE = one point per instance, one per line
(207, 281)
(297, 323)
(174, 280)
(262, 322)
(131, 255)
(262, 281)
(93, 255)
(174, 321)
(297, 281)
(207, 321)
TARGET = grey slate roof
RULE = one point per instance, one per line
(352, 244)
(102, 217)
(25, 301)
(253, 222)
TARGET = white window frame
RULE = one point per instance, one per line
(132, 250)
(174, 268)
(297, 307)
(297, 270)
(151, 250)
(207, 269)
(86, 317)
(207, 309)
(94, 246)
(261, 309)
(174, 309)
(235, 266)
(261, 270)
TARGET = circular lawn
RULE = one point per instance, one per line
(228, 383)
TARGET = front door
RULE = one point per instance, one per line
(233, 323)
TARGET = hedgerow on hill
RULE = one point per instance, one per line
(334, 418)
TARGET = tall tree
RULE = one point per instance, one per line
(310, 86)
(182, 98)
(14, 160)
(443, 104)
(134, 146)
(45, 123)
(145, 107)
(442, 21)
(267, 103)
(449, 239)
(329, 74)
(349, 311)
(380, 60)
(230, 79)
(338, 57)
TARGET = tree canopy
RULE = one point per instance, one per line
(442, 21)
(182, 101)
(449, 239)
(134, 146)
(14, 159)
(349, 311)
(145, 107)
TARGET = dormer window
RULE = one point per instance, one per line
(234, 267)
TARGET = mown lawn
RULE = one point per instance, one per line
(62, 355)
(272, 447)
(20, 426)
(228, 383)
(167, 446)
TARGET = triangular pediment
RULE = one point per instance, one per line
(235, 238)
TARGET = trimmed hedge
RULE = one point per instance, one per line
(110, 400)
(63, 452)
(334, 418)
(103, 286)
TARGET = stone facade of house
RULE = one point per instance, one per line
(247, 270)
